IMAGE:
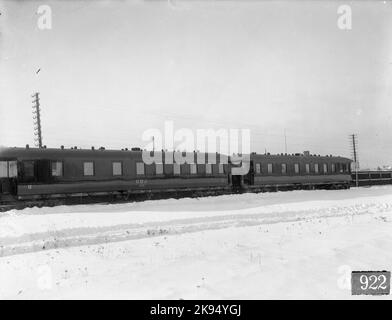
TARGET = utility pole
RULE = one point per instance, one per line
(37, 120)
(153, 143)
(354, 150)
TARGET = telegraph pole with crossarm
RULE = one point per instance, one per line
(37, 120)
(354, 150)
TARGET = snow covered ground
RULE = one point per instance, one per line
(299, 244)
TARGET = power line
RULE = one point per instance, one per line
(285, 141)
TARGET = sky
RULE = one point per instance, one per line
(108, 71)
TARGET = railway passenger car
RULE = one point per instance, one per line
(34, 173)
(370, 178)
(297, 171)
(41, 173)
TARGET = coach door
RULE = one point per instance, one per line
(236, 181)
(43, 171)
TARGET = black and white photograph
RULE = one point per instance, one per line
(195, 150)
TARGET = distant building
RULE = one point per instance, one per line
(384, 168)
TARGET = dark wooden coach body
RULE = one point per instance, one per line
(102, 178)
(299, 170)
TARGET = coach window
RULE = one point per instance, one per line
(117, 168)
(159, 168)
(316, 168)
(8, 169)
(307, 167)
(88, 168)
(208, 168)
(284, 168)
(258, 168)
(176, 169)
(57, 168)
(221, 169)
(193, 168)
(325, 169)
(269, 167)
(296, 167)
(333, 167)
(3, 169)
(12, 169)
(140, 168)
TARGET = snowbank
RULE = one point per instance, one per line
(275, 245)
